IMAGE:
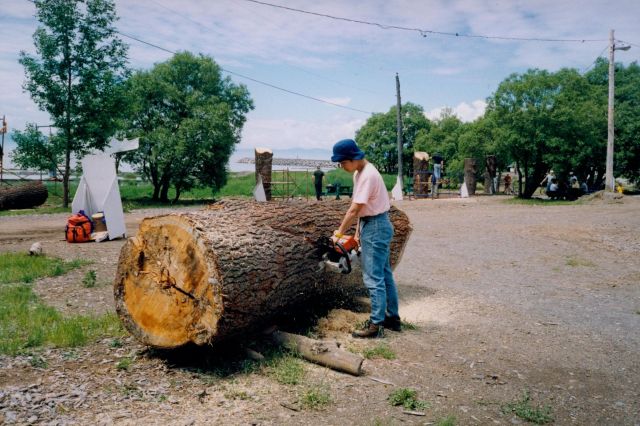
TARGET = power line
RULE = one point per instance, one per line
(175, 12)
(422, 31)
(595, 60)
(251, 78)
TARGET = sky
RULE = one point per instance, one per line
(349, 65)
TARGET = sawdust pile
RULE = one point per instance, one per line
(340, 320)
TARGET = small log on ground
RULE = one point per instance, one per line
(223, 271)
(319, 352)
(264, 160)
(25, 196)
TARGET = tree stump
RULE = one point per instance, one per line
(470, 175)
(24, 196)
(208, 275)
(421, 175)
(264, 160)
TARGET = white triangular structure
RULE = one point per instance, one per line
(258, 191)
(396, 191)
(98, 192)
(464, 192)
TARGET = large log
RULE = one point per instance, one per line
(24, 196)
(208, 275)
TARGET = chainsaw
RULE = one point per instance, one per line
(339, 256)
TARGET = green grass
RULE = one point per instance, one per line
(26, 323)
(382, 350)
(285, 369)
(539, 202)
(315, 398)
(447, 421)
(124, 364)
(89, 280)
(407, 398)
(22, 268)
(576, 261)
(523, 409)
(406, 325)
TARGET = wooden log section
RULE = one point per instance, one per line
(470, 175)
(421, 175)
(25, 196)
(264, 160)
(323, 353)
(226, 270)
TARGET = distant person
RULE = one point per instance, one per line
(553, 187)
(584, 187)
(573, 181)
(548, 179)
(438, 165)
(507, 185)
(318, 177)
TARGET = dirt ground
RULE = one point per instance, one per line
(507, 299)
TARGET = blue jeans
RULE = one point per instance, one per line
(375, 240)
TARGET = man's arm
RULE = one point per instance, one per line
(349, 218)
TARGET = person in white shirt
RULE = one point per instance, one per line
(370, 207)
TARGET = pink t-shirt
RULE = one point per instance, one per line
(369, 189)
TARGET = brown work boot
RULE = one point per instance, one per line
(370, 330)
(393, 323)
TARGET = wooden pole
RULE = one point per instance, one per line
(399, 129)
(609, 185)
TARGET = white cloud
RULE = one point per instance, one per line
(337, 101)
(289, 133)
(464, 111)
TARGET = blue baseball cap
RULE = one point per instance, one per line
(346, 149)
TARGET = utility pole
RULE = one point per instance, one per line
(3, 130)
(608, 176)
(399, 131)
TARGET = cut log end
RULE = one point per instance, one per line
(166, 267)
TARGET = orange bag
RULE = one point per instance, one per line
(78, 228)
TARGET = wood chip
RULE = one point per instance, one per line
(414, 413)
(375, 379)
(289, 406)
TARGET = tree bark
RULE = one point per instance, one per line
(470, 175)
(208, 275)
(489, 174)
(263, 160)
(25, 196)
(421, 174)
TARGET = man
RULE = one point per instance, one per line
(438, 164)
(318, 175)
(370, 207)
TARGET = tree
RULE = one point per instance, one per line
(188, 118)
(36, 151)
(627, 113)
(77, 73)
(549, 120)
(378, 137)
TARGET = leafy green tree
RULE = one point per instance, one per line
(36, 151)
(443, 138)
(188, 118)
(378, 137)
(549, 120)
(76, 74)
(627, 114)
